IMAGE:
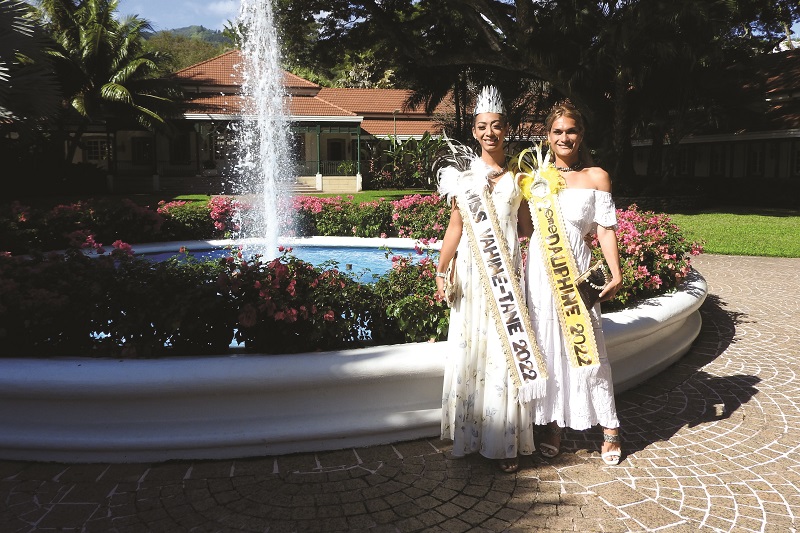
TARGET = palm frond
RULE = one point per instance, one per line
(28, 88)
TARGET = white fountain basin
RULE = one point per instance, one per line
(99, 410)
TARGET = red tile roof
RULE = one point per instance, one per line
(315, 106)
(224, 104)
(232, 104)
(781, 72)
(373, 101)
(382, 127)
(220, 70)
(225, 70)
(377, 106)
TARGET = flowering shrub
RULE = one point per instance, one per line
(420, 216)
(48, 304)
(288, 305)
(341, 216)
(325, 216)
(654, 256)
(117, 305)
(407, 293)
(372, 219)
(112, 219)
(224, 211)
(187, 220)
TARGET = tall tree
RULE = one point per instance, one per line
(28, 89)
(103, 68)
(608, 57)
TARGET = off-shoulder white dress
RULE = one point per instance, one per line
(480, 411)
(571, 402)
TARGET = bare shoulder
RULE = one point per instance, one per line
(599, 179)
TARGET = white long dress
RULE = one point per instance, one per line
(480, 411)
(571, 402)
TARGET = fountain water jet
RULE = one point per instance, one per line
(264, 166)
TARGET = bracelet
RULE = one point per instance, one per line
(441, 275)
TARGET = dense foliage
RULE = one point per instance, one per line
(660, 68)
(118, 305)
(184, 47)
(654, 255)
(103, 69)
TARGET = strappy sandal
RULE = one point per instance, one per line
(548, 450)
(509, 466)
(611, 458)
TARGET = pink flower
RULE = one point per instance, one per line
(329, 316)
(122, 248)
(248, 316)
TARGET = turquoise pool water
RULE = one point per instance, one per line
(364, 263)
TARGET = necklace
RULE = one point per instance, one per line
(574, 168)
(495, 174)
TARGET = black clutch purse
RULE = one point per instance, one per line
(591, 283)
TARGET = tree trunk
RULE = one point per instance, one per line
(655, 158)
(622, 170)
(788, 29)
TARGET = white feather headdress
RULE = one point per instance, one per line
(489, 101)
(459, 169)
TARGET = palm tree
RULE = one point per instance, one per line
(28, 90)
(103, 67)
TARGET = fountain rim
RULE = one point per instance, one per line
(393, 243)
(81, 409)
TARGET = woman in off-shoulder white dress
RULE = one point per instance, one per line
(575, 400)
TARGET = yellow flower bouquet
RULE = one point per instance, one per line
(537, 176)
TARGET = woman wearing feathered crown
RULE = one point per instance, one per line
(569, 199)
(490, 374)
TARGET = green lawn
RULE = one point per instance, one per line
(736, 231)
(726, 231)
(369, 196)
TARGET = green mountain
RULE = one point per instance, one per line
(201, 33)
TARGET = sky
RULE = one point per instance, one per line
(170, 14)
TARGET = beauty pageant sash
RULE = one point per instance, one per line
(505, 299)
(541, 183)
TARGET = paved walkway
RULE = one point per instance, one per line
(712, 445)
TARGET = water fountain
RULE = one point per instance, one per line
(80, 409)
(264, 163)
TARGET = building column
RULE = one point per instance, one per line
(359, 186)
(318, 184)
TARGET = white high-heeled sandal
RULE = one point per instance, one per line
(611, 458)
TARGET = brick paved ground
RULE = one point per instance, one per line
(711, 443)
